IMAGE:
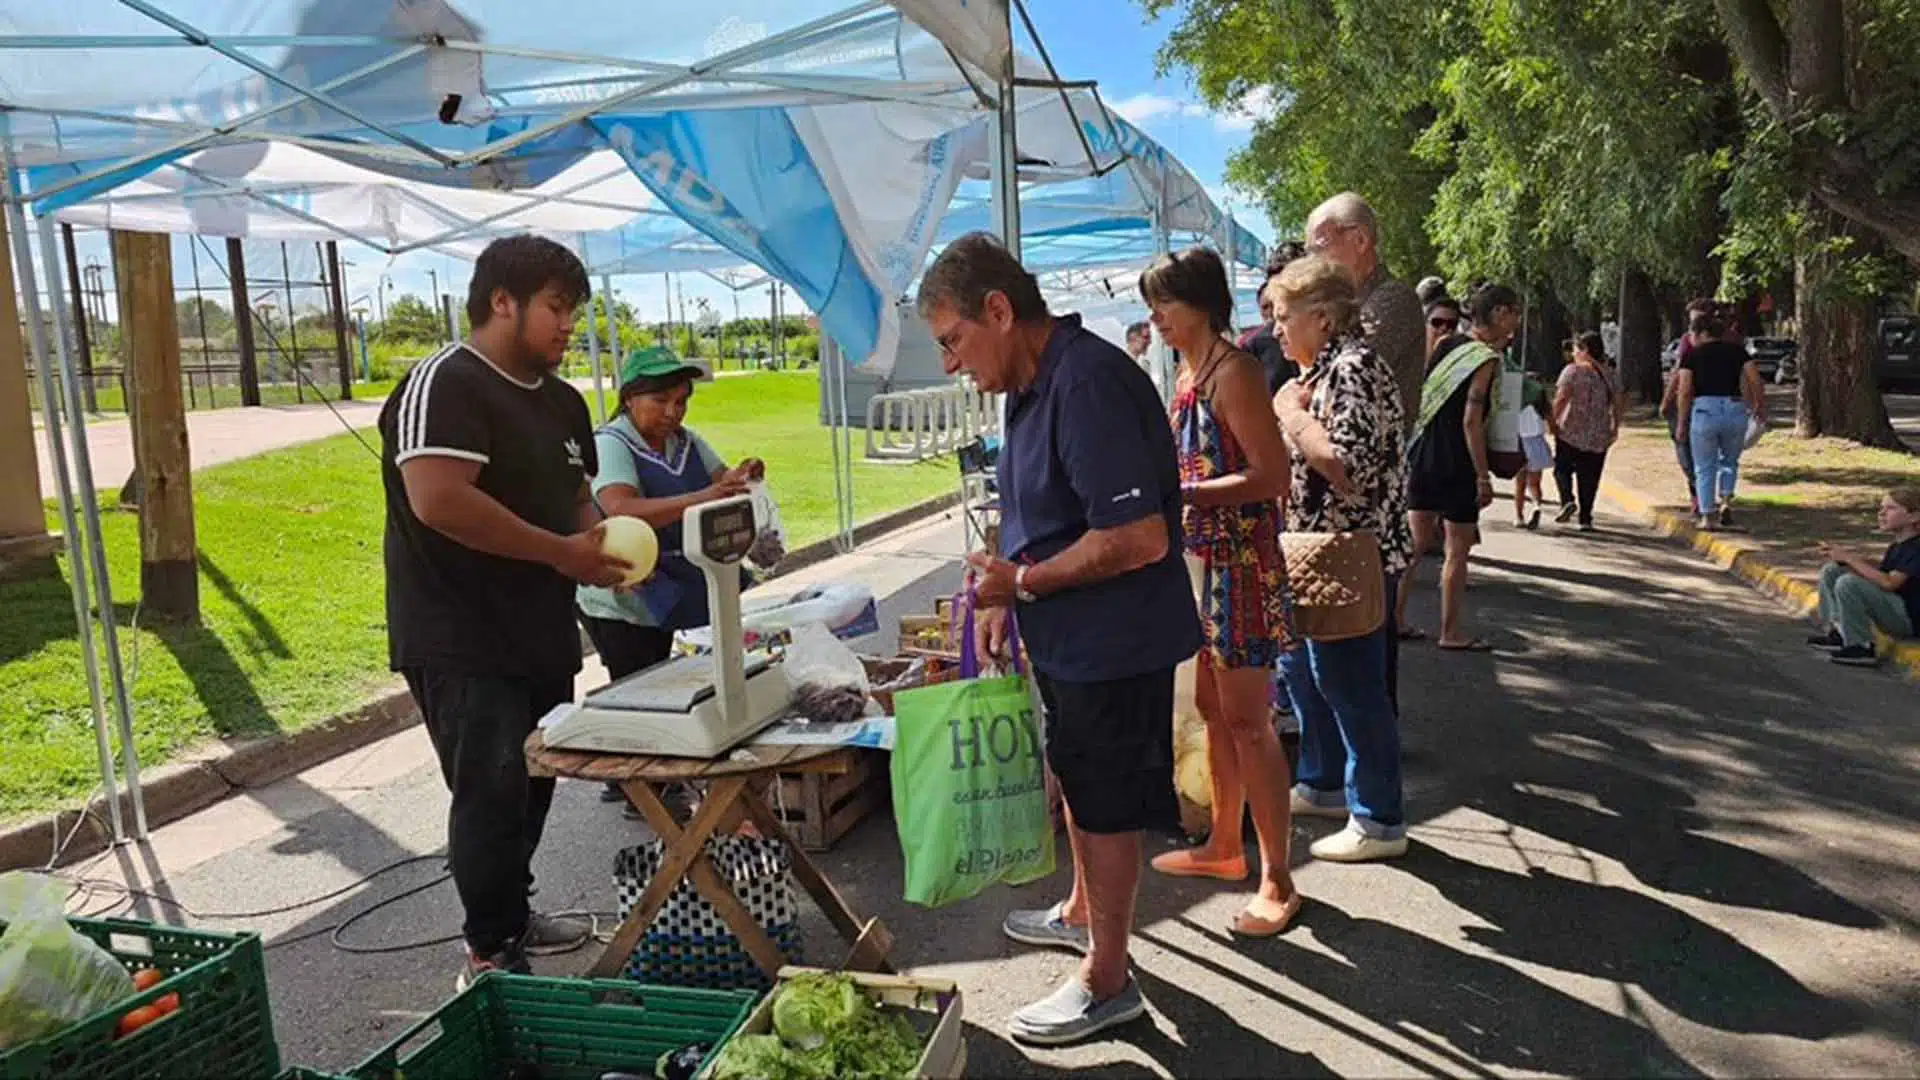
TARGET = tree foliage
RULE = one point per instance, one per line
(1572, 147)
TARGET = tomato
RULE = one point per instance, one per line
(168, 1005)
(147, 979)
(135, 1020)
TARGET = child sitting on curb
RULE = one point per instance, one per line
(1857, 594)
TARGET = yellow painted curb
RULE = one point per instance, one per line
(1750, 567)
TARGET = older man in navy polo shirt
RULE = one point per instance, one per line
(1090, 560)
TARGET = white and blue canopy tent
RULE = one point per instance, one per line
(827, 143)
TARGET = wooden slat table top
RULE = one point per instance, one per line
(618, 768)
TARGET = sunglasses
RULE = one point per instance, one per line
(1442, 323)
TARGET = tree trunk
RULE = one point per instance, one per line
(1839, 337)
(1640, 337)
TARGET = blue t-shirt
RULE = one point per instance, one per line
(1088, 446)
(1905, 558)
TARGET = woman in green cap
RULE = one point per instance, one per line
(653, 467)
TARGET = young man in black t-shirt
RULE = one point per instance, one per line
(489, 525)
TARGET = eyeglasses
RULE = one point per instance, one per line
(1441, 323)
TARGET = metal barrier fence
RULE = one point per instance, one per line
(915, 425)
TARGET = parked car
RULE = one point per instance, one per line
(1898, 365)
(1670, 356)
(1776, 358)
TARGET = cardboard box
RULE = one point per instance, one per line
(945, 1056)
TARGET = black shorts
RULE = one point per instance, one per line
(1455, 498)
(1111, 745)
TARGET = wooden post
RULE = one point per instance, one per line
(243, 323)
(23, 520)
(336, 299)
(169, 571)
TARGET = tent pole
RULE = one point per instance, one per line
(613, 328)
(593, 354)
(56, 445)
(96, 540)
(1162, 353)
(1005, 152)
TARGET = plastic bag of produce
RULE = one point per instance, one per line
(50, 976)
(769, 540)
(828, 681)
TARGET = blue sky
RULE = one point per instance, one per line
(1106, 40)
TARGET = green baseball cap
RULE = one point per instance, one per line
(655, 362)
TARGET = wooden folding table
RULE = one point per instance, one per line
(735, 793)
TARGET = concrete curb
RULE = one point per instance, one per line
(220, 771)
(182, 787)
(1750, 567)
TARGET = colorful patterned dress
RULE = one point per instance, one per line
(1246, 610)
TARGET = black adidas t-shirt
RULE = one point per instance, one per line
(449, 606)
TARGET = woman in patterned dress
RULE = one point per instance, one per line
(1233, 470)
(1342, 423)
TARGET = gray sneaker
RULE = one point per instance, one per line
(548, 936)
(1070, 1014)
(1047, 928)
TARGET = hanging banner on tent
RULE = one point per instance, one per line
(745, 178)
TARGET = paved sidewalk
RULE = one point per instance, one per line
(214, 436)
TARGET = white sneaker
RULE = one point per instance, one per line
(1353, 846)
(1305, 807)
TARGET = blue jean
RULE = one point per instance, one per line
(1349, 734)
(1718, 433)
(1683, 453)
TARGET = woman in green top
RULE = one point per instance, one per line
(653, 467)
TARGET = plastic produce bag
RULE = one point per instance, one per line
(969, 784)
(770, 539)
(828, 681)
(1192, 776)
(50, 975)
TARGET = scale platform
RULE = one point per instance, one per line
(673, 709)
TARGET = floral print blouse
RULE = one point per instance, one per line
(1356, 398)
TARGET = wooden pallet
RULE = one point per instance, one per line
(819, 808)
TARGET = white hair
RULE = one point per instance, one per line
(1346, 209)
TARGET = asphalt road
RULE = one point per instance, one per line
(1653, 836)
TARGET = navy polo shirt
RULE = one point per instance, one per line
(1088, 446)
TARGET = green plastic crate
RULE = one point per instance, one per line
(224, 1026)
(568, 1029)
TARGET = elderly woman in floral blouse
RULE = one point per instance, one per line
(1343, 422)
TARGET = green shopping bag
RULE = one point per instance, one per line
(969, 786)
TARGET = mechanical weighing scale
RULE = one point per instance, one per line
(678, 708)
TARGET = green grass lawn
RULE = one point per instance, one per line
(110, 403)
(290, 590)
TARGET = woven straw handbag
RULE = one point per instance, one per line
(1339, 585)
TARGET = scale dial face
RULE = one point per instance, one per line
(726, 531)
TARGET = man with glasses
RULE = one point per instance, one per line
(1343, 230)
(1443, 321)
(1090, 556)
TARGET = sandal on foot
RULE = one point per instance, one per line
(1412, 633)
(1188, 863)
(1248, 925)
(1476, 645)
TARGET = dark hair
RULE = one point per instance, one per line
(972, 267)
(1447, 302)
(1283, 253)
(1141, 327)
(1488, 299)
(1195, 277)
(523, 265)
(1703, 321)
(1595, 346)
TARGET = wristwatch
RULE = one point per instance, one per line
(1020, 590)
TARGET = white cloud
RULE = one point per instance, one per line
(1145, 108)
(1257, 104)
(1141, 108)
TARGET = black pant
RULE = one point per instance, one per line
(479, 726)
(1570, 463)
(625, 648)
